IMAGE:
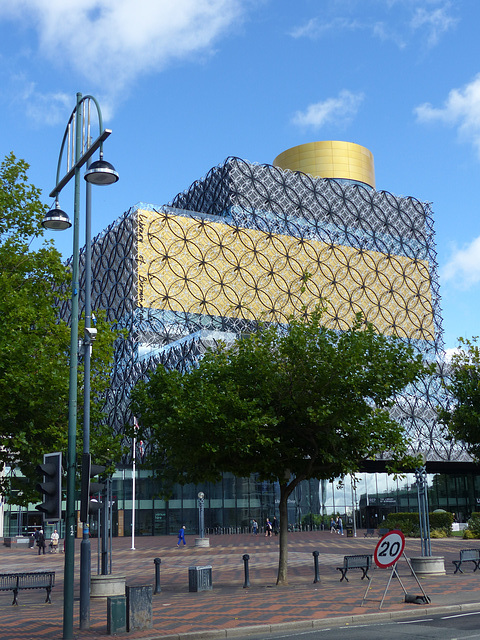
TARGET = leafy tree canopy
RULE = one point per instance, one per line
(287, 403)
(462, 416)
(34, 342)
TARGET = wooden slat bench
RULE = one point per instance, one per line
(467, 555)
(363, 562)
(369, 533)
(27, 580)
(382, 532)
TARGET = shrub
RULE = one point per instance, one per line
(409, 525)
(473, 530)
(442, 520)
(314, 519)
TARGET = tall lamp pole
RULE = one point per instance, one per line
(79, 148)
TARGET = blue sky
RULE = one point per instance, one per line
(184, 84)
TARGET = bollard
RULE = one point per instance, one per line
(315, 555)
(158, 588)
(246, 558)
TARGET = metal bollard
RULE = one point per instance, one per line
(315, 555)
(246, 558)
(158, 588)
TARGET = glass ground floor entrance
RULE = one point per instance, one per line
(232, 504)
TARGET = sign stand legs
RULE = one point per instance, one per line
(394, 573)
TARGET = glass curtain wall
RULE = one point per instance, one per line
(231, 504)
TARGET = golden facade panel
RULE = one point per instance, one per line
(202, 267)
(330, 159)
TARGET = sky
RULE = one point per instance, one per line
(184, 84)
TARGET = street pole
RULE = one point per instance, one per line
(69, 566)
(201, 514)
(421, 478)
(134, 471)
(79, 151)
(85, 548)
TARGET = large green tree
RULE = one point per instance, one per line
(287, 403)
(34, 341)
(462, 414)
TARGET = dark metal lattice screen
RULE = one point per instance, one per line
(254, 241)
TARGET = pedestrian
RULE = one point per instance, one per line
(54, 541)
(255, 527)
(275, 525)
(340, 526)
(181, 536)
(268, 528)
(41, 542)
(332, 525)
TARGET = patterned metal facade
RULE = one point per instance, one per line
(250, 242)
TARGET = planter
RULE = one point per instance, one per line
(202, 542)
(428, 565)
(107, 586)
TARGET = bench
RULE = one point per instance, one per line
(27, 580)
(382, 532)
(369, 533)
(363, 562)
(467, 555)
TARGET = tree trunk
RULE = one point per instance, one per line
(285, 491)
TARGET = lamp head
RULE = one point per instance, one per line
(100, 173)
(56, 219)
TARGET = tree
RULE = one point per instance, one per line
(288, 403)
(462, 414)
(34, 341)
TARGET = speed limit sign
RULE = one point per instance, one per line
(389, 549)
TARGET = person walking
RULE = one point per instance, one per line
(41, 542)
(181, 536)
(275, 525)
(340, 526)
(54, 541)
(268, 528)
(254, 527)
(332, 526)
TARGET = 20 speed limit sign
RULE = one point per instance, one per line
(389, 549)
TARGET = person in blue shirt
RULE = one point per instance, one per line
(181, 536)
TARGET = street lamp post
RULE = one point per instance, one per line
(422, 491)
(201, 514)
(79, 149)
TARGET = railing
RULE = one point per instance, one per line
(292, 528)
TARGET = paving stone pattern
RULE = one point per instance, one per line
(228, 605)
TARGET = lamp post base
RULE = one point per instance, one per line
(103, 586)
(428, 565)
(202, 542)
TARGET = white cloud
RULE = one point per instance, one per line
(389, 21)
(317, 27)
(111, 42)
(450, 353)
(436, 22)
(464, 266)
(338, 111)
(41, 109)
(461, 109)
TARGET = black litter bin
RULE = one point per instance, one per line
(349, 532)
(200, 578)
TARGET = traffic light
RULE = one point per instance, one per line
(51, 487)
(89, 470)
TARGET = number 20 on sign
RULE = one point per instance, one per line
(389, 549)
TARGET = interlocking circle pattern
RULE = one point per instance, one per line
(250, 242)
